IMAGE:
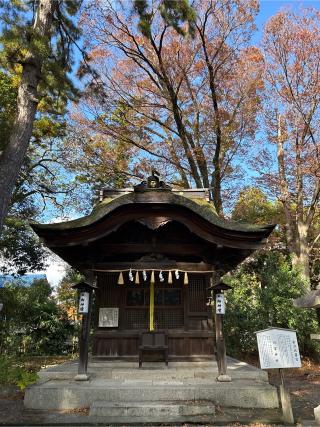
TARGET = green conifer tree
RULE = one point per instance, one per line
(37, 39)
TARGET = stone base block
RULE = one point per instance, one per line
(72, 394)
(160, 412)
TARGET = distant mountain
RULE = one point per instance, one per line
(25, 280)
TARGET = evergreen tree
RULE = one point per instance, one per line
(38, 51)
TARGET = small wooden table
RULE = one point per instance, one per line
(153, 341)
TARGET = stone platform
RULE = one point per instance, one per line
(184, 392)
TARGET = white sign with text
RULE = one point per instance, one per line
(109, 317)
(84, 302)
(278, 348)
(220, 304)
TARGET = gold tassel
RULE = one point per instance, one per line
(120, 280)
(170, 278)
(137, 281)
(152, 277)
(186, 279)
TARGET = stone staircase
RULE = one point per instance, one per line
(119, 392)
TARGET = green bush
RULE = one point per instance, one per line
(14, 373)
(32, 321)
(262, 294)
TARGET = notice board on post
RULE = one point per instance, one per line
(109, 317)
(278, 348)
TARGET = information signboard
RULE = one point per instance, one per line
(109, 317)
(278, 348)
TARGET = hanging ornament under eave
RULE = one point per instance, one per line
(170, 278)
(186, 279)
(120, 279)
(137, 279)
(177, 274)
(130, 275)
(144, 275)
(161, 278)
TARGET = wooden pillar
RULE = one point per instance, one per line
(85, 300)
(220, 343)
(221, 346)
(285, 401)
(84, 344)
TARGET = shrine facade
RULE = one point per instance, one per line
(153, 253)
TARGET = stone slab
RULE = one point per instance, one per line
(317, 414)
(198, 420)
(70, 394)
(163, 410)
(118, 370)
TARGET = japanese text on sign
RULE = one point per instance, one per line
(84, 302)
(220, 304)
(278, 348)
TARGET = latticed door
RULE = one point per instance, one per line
(168, 306)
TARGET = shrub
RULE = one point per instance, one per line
(32, 321)
(262, 294)
(14, 373)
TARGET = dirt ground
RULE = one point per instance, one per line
(303, 384)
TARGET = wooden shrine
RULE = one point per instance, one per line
(154, 252)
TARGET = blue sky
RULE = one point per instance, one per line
(269, 8)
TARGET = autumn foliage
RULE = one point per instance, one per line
(188, 104)
(205, 106)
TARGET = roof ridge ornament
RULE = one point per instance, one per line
(152, 183)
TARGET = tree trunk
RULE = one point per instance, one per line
(14, 152)
(303, 259)
(217, 160)
(302, 226)
(285, 195)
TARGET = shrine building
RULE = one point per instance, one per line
(154, 252)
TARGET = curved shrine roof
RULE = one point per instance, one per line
(166, 202)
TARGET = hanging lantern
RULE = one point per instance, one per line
(130, 275)
(137, 280)
(177, 274)
(152, 277)
(120, 280)
(186, 279)
(144, 275)
(170, 278)
(161, 278)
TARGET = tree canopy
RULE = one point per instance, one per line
(180, 86)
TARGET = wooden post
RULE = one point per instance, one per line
(285, 401)
(84, 344)
(221, 346)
